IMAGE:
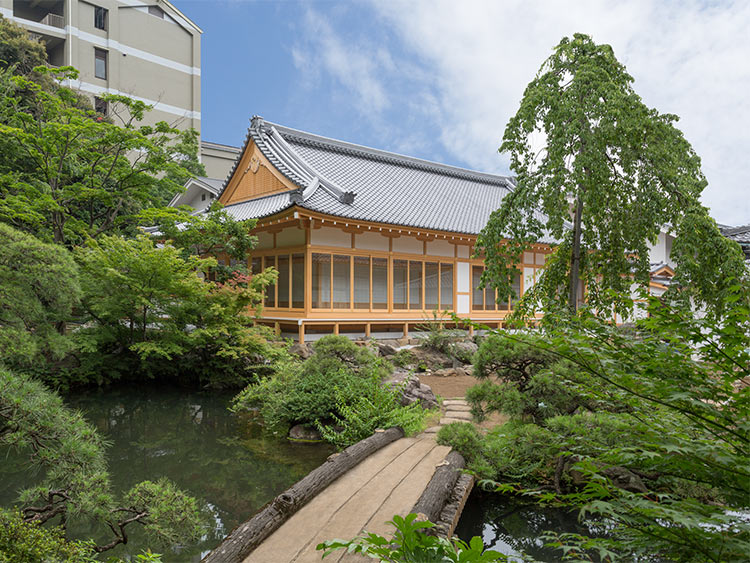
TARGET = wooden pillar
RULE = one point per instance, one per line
(277, 328)
(471, 330)
(367, 330)
(335, 328)
(406, 331)
(301, 333)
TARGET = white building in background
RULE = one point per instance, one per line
(144, 49)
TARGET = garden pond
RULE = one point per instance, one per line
(222, 459)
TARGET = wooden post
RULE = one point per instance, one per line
(335, 328)
(301, 333)
(471, 330)
(277, 328)
(406, 331)
(367, 330)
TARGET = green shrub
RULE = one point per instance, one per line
(26, 541)
(404, 358)
(338, 389)
(522, 382)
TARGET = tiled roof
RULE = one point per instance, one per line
(356, 182)
(740, 234)
(212, 184)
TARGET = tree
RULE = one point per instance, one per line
(70, 453)
(664, 463)
(67, 174)
(17, 49)
(583, 144)
(154, 315)
(39, 287)
(212, 233)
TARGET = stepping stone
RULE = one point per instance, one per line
(432, 430)
(454, 402)
(459, 408)
(448, 420)
(459, 415)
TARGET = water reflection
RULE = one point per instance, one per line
(191, 439)
(513, 527)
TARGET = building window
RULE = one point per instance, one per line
(100, 18)
(203, 196)
(100, 63)
(321, 281)
(270, 300)
(100, 106)
(488, 299)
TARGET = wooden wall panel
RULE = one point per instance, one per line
(254, 177)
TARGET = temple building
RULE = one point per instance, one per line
(366, 242)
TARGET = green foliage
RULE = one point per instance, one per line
(69, 452)
(67, 175)
(410, 544)
(339, 389)
(403, 358)
(38, 289)
(444, 340)
(528, 383)
(668, 469)
(153, 315)
(208, 234)
(376, 406)
(22, 541)
(623, 169)
(16, 48)
(709, 265)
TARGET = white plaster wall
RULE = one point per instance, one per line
(658, 252)
(408, 245)
(463, 277)
(371, 241)
(462, 304)
(265, 241)
(528, 279)
(291, 236)
(440, 248)
(463, 251)
(328, 236)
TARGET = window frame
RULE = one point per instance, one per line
(101, 54)
(104, 19)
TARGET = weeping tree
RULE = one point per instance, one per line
(598, 171)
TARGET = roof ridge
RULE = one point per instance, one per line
(389, 156)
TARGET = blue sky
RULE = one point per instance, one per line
(439, 79)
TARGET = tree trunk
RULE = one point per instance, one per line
(575, 259)
(439, 489)
(246, 537)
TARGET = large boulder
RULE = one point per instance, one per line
(386, 349)
(412, 390)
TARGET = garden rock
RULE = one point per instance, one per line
(464, 351)
(413, 391)
(386, 349)
(301, 350)
(302, 433)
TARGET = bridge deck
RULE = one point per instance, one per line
(388, 482)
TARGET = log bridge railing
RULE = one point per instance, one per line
(249, 535)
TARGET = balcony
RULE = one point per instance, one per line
(46, 12)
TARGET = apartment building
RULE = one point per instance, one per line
(144, 49)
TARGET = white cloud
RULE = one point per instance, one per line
(468, 62)
(356, 67)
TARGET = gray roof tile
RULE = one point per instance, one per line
(386, 187)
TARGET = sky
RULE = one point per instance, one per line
(439, 79)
